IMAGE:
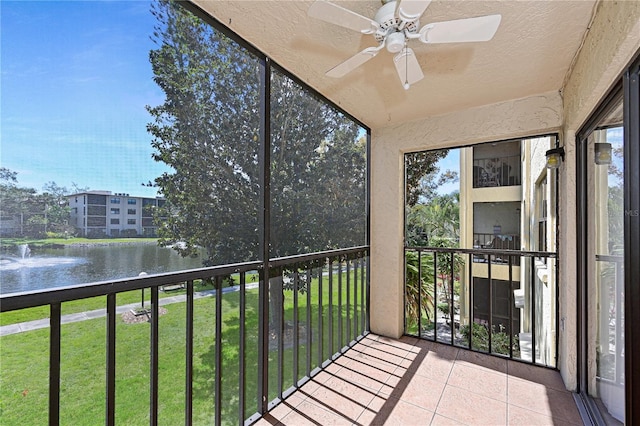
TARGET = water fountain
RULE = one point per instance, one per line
(24, 250)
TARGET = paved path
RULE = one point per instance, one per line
(99, 313)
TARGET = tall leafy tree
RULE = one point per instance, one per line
(207, 131)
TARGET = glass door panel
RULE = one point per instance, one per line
(605, 260)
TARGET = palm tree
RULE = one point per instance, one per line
(418, 289)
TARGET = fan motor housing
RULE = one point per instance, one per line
(386, 17)
(395, 42)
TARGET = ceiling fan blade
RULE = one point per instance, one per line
(411, 10)
(482, 28)
(353, 62)
(408, 67)
(346, 18)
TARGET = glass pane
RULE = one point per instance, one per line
(608, 271)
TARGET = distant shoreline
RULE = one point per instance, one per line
(12, 245)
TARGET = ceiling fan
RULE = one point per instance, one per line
(395, 24)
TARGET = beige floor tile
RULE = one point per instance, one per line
(544, 376)
(433, 361)
(493, 363)
(417, 382)
(372, 374)
(420, 391)
(536, 397)
(392, 411)
(308, 413)
(479, 380)
(521, 416)
(343, 397)
(470, 408)
(439, 420)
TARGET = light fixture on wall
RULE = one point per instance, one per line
(554, 157)
(602, 153)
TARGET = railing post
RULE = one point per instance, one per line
(54, 364)
(153, 403)
(188, 394)
(218, 352)
(452, 307)
(111, 359)
(241, 352)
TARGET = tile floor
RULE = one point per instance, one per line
(382, 381)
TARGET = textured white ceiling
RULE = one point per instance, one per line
(530, 54)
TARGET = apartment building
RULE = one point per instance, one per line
(103, 213)
(507, 203)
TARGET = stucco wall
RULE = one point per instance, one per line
(516, 118)
(612, 42)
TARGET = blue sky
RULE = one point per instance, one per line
(75, 79)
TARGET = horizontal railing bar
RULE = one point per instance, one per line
(281, 261)
(520, 253)
(14, 301)
(29, 299)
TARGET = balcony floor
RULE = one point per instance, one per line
(416, 382)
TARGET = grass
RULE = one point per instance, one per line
(24, 363)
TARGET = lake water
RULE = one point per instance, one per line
(49, 268)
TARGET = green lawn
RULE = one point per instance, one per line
(24, 363)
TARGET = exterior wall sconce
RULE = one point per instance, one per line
(554, 156)
(602, 153)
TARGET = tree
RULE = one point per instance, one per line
(16, 204)
(439, 219)
(421, 172)
(56, 209)
(208, 131)
(29, 214)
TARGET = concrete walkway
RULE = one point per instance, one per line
(99, 313)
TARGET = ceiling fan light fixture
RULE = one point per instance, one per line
(395, 42)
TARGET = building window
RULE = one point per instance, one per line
(541, 213)
(131, 221)
(115, 221)
(131, 211)
(131, 201)
(115, 200)
(115, 211)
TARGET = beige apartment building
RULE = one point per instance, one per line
(103, 213)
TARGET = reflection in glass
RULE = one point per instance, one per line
(608, 248)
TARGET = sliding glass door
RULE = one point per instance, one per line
(608, 188)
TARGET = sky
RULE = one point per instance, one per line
(75, 79)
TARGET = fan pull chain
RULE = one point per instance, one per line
(406, 66)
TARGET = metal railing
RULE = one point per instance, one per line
(502, 171)
(310, 309)
(506, 311)
(497, 242)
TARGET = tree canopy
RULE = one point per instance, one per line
(27, 213)
(208, 130)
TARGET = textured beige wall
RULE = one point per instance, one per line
(517, 118)
(612, 42)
